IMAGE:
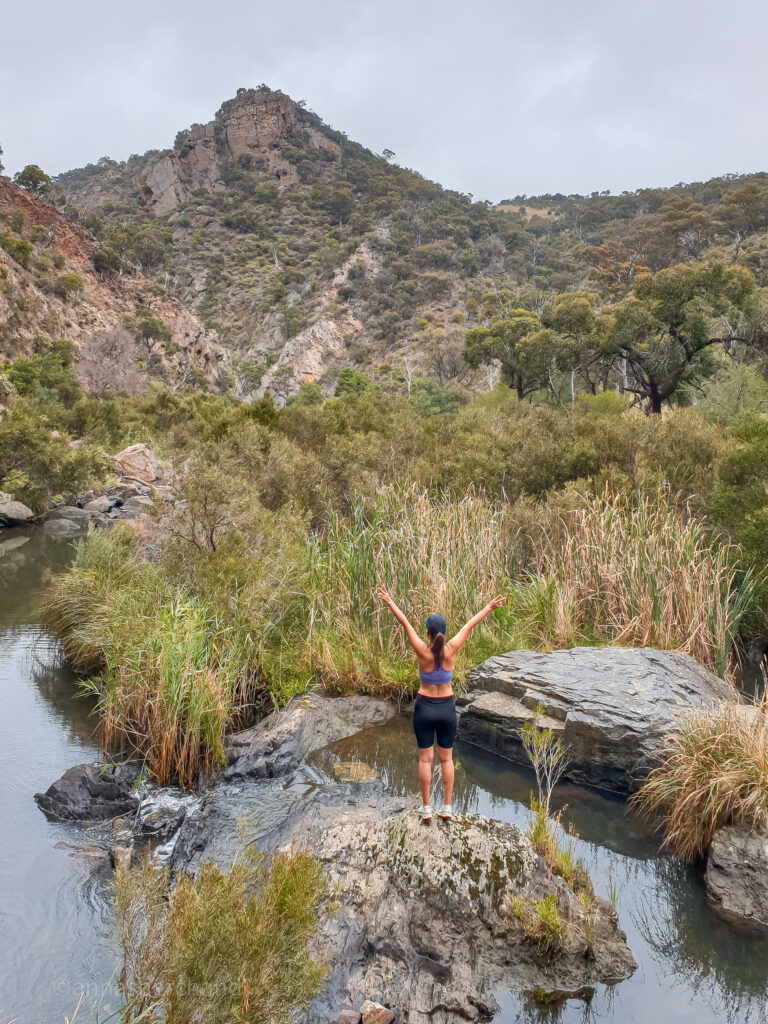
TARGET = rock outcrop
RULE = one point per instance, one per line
(611, 706)
(737, 874)
(90, 792)
(433, 919)
(280, 742)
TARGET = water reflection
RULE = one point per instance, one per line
(694, 966)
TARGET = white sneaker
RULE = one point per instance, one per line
(426, 813)
(445, 811)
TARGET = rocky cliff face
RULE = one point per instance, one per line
(46, 248)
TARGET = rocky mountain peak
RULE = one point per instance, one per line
(252, 128)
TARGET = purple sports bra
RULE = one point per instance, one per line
(436, 677)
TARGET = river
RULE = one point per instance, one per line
(694, 968)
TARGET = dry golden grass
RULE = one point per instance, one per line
(640, 573)
(715, 773)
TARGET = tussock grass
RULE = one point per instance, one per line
(222, 946)
(170, 675)
(715, 774)
(639, 573)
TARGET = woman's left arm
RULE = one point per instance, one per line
(414, 639)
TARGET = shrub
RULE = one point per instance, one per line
(67, 285)
(715, 773)
(222, 946)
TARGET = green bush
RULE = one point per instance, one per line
(222, 946)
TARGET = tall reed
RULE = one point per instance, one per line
(639, 573)
(169, 674)
(435, 554)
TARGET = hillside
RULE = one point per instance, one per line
(124, 329)
(308, 253)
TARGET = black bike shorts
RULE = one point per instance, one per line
(434, 717)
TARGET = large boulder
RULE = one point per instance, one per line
(89, 792)
(139, 462)
(737, 873)
(611, 706)
(13, 513)
(280, 742)
(432, 920)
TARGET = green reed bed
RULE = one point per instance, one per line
(636, 573)
(170, 674)
(445, 553)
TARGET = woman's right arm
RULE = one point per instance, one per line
(414, 639)
(457, 642)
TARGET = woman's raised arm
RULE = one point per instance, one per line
(414, 639)
(457, 642)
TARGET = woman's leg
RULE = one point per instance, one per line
(445, 757)
(425, 772)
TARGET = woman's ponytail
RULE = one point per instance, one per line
(437, 645)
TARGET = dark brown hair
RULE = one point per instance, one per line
(437, 645)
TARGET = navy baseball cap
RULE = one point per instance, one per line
(435, 624)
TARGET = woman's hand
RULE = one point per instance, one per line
(497, 602)
(384, 596)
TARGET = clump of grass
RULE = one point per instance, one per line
(448, 554)
(715, 774)
(541, 922)
(170, 675)
(637, 573)
(222, 946)
(545, 836)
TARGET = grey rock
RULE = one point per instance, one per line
(100, 504)
(280, 742)
(425, 925)
(65, 527)
(14, 513)
(138, 503)
(89, 792)
(162, 813)
(737, 874)
(611, 706)
(71, 512)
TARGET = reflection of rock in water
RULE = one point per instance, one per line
(709, 955)
(354, 771)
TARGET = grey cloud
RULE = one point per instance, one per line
(488, 97)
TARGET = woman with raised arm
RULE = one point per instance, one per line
(434, 714)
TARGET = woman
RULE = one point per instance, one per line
(434, 715)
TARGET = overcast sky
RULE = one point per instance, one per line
(492, 97)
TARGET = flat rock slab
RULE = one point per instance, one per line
(737, 874)
(611, 706)
(280, 742)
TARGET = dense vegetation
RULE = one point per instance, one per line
(595, 520)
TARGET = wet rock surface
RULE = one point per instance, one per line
(611, 706)
(280, 742)
(737, 874)
(88, 792)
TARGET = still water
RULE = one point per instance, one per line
(54, 913)
(55, 934)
